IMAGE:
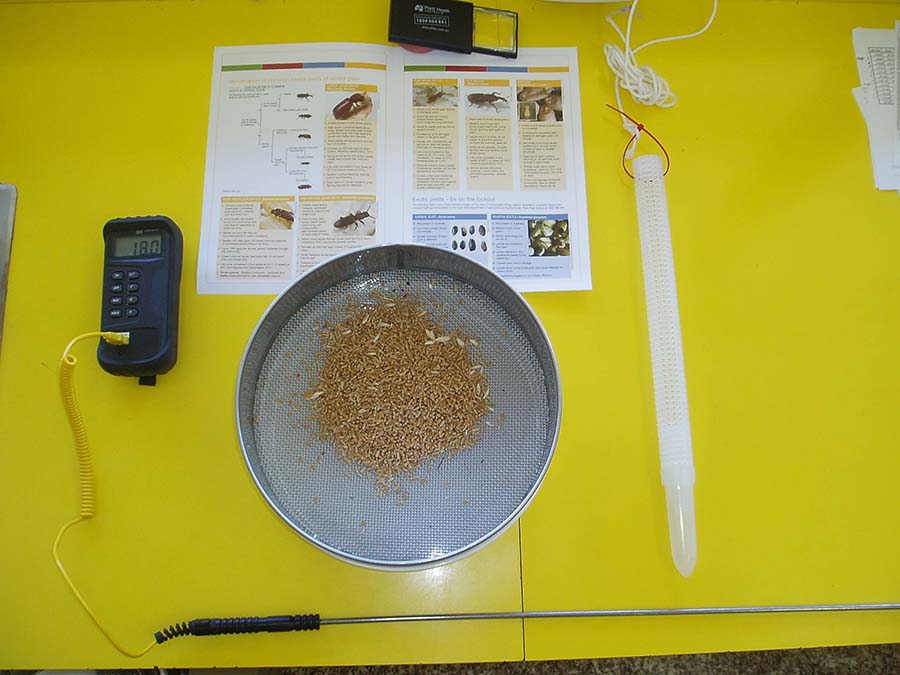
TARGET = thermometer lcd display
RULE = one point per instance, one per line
(142, 243)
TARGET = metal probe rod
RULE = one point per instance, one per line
(306, 622)
(589, 613)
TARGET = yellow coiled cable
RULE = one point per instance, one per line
(87, 490)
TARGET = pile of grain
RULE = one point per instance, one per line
(396, 390)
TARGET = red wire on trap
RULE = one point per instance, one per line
(640, 127)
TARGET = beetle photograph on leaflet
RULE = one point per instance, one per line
(359, 104)
(435, 94)
(356, 217)
(332, 224)
(276, 215)
(491, 98)
(540, 101)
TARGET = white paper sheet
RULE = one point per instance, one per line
(896, 90)
(317, 149)
(876, 60)
(887, 177)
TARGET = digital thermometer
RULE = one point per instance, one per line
(141, 280)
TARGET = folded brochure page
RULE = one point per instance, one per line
(318, 149)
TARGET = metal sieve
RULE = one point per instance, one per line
(463, 501)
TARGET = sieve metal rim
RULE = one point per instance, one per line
(472, 547)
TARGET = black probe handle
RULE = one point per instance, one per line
(244, 624)
(254, 624)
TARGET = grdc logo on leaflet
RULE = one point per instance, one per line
(430, 17)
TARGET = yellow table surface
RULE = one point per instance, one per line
(789, 280)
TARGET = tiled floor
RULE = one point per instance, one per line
(870, 660)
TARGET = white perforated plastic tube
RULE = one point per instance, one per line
(669, 386)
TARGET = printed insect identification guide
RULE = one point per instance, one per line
(321, 148)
